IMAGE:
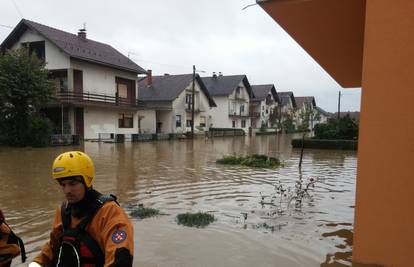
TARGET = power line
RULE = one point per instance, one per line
(6, 26)
(165, 64)
(17, 8)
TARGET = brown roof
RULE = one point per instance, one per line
(74, 46)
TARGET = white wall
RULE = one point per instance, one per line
(166, 117)
(54, 57)
(220, 114)
(103, 120)
(148, 122)
(100, 79)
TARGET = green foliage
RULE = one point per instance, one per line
(24, 88)
(345, 128)
(143, 213)
(256, 161)
(40, 130)
(199, 219)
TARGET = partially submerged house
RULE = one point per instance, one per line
(287, 109)
(171, 98)
(96, 86)
(232, 96)
(305, 113)
(264, 106)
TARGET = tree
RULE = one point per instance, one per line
(24, 88)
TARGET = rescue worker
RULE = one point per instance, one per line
(90, 229)
(10, 244)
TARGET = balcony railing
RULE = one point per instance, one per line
(93, 98)
(238, 113)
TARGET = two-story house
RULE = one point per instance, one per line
(96, 86)
(264, 107)
(305, 111)
(171, 96)
(232, 96)
(287, 109)
(322, 116)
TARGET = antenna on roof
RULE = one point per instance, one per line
(82, 32)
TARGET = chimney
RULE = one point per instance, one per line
(82, 34)
(214, 75)
(220, 74)
(149, 77)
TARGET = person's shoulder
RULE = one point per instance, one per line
(111, 206)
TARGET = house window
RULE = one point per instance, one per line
(241, 109)
(126, 120)
(262, 107)
(202, 121)
(177, 120)
(238, 91)
(188, 98)
(122, 90)
(234, 124)
(38, 48)
(243, 124)
(189, 123)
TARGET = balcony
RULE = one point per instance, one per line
(233, 113)
(94, 99)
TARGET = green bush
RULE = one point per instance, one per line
(257, 161)
(345, 128)
(199, 219)
(143, 213)
(326, 144)
(40, 131)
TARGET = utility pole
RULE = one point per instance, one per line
(339, 105)
(192, 103)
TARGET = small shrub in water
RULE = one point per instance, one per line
(256, 161)
(143, 213)
(199, 219)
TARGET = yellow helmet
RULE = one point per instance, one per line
(74, 163)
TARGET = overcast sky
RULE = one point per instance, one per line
(169, 36)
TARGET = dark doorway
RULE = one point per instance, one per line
(78, 81)
(159, 127)
(79, 121)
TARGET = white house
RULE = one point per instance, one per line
(287, 109)
(171, 96)
(264, 107)
(306, 111)
(96, 86)
(232, 96)
(322, 116)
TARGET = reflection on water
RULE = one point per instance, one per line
(181, 176)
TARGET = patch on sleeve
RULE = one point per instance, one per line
(118, 236)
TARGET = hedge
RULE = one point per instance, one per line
(326, 144)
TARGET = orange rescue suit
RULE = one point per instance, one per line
(109, 220)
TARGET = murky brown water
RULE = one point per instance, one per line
(181, 176)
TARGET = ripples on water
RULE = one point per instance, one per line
(181, 176)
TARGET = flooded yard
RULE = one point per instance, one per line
(182, 176)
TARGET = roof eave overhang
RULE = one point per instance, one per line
(331, 31)
(135, 71)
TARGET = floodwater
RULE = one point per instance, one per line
(182, 176)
